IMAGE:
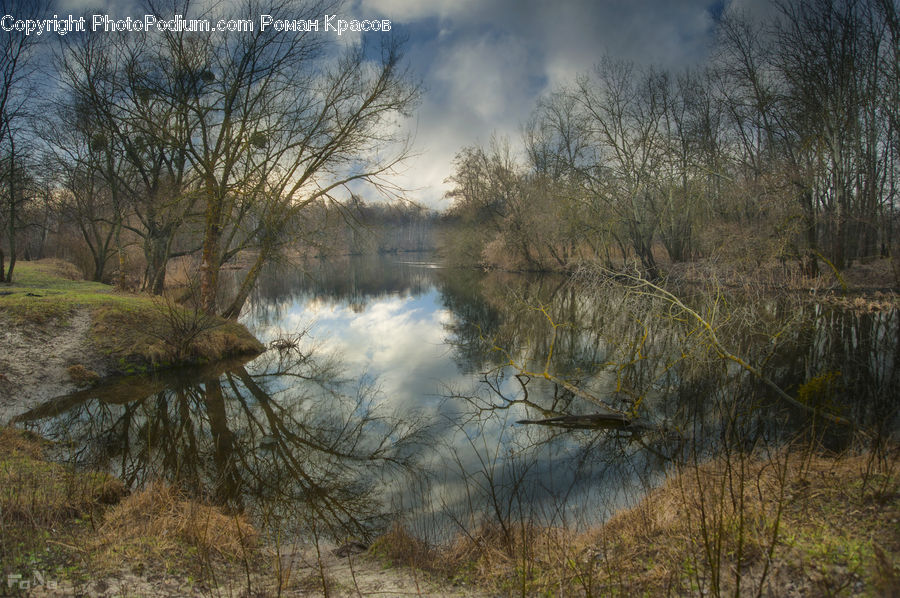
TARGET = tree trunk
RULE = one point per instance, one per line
(809, 264)
(157, 255)
(234, 310)
(12, 219)
(210, 263)
(120, 251)
(99, 266)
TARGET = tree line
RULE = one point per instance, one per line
(180, 143)
(784, 144)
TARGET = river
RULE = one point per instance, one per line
(394, 387)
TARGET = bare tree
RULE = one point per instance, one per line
(828, 55)
(625, 113)
(123, 88)
(17, 67)
(274, 124)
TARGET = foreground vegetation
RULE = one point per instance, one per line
(128, 332)
(783, 524)
(788, 523)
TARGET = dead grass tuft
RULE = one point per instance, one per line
(397, 547)
(19, 442)
(82, 376)
(160, 522)
(42, 493)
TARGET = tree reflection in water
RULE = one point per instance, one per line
(310, 442)
(288, 439)
(543, 350)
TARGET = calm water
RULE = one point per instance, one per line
(393, 396)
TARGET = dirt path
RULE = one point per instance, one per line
(363, 575)
(34, 362)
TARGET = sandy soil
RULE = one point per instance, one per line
(358, 575)
(34, 363)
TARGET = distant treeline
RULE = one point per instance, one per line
(782, 148)
(360, 228)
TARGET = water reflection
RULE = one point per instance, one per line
(403, 389)
(286, 434)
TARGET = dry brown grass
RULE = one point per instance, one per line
(82, 376)
(398, 547)
(61, 521)
(17, 442)
(798, 525)
(160, 524)
(38, 492)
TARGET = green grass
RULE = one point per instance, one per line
(45, 292)
(134, 332)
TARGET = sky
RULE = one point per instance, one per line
(484, 64)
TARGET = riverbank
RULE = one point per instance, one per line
(789, 524)
(60, 334)
(786, 524)
(65, 532)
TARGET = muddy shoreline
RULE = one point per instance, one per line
(36, 361)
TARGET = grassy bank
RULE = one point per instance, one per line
(129, 332)
(82, 533)
(787, 524)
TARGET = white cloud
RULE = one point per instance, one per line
(407, 11)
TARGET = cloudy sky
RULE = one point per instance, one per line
(485, 63)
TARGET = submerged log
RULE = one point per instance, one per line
(588, 421)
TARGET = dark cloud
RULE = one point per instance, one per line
(485, 64)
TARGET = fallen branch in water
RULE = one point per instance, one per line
(644, 287)
(588, 421)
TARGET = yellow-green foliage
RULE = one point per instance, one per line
(820, 390)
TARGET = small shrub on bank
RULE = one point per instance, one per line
(82, 376)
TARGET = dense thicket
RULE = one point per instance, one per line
(784, 146)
